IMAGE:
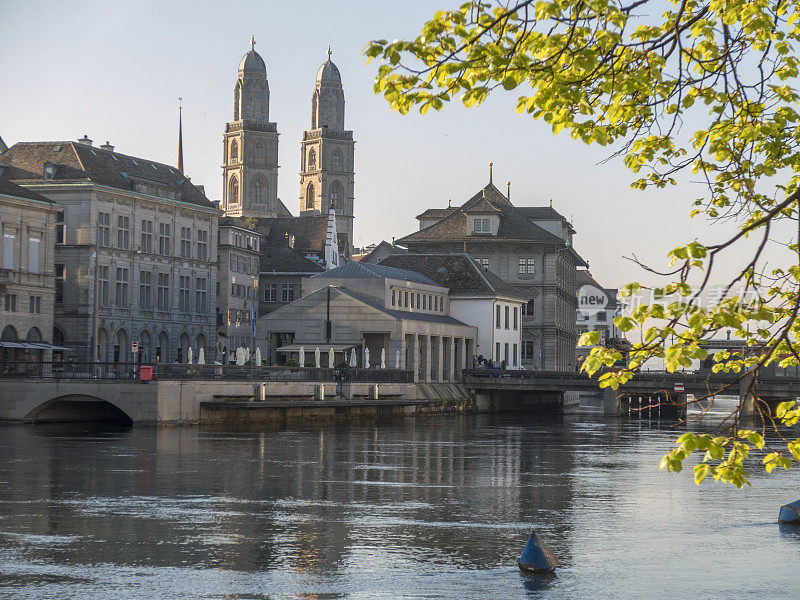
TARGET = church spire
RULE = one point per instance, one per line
(252, 43)
(180, 135)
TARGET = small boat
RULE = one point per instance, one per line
(790, 513)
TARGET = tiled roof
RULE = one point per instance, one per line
(457, 272)
(8, 188)
(309, 232)
(80, 162)
(542, 213)
(514, 225)
(238, 222)
(433, 213)
(386, 246)
(361, 270)
(282, 259)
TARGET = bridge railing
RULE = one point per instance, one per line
(165, 371)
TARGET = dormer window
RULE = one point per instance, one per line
(50, 170)
(481, 225)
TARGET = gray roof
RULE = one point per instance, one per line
(457, 272)
(75, 161)
(252, 61)
(360, 270)
(8, 188)
(329, 72)
(282, 259)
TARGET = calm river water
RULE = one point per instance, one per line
(427, 508)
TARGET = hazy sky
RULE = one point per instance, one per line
(114, 71)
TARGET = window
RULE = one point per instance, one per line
(234, 151)
(336, 161)
(483, 262)
(424, 301)
(259, 150)
(418, 301)
(529, 308)
(287, 292)
(102, 282)
(516, 320)
(336, 195)
(394, 299)
(183, 293)
(497, 352)
(514, 356)
(200, 295)
(412, 300)
(601, 316)
(312, 160)
(497, 318)
(505, 354)
(310, 196)
(61, 231)
(234, 190)
(145, 290)
(506, 313)
(256, 190)
(526, 266)
(163, 239)
(123, 232)
(33, 255)
(147, 236)
(405, 302)
(103, 229)
(8, 251)
(60, 274)
(271, 292)
(35, 304)
(11, 303)
(122, 286)
(186, 242)
(481, 225)
(527, 350)
(163, 291)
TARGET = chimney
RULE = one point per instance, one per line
(107, 146)
(85, 140)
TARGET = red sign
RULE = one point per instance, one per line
(134, 346)
(679, 387)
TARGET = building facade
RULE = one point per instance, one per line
(238, 255)
(250, 146)
(136, 256)
(327, 154)
(363, 306)
(29, 223)
(529, 248)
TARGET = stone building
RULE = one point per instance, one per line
(238, 255)
(529, 248)
(365, 306)
(327, 156)
(478, 297)
(250, 146)
(29, 223)
(136, 258)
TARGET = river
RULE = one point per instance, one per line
(411, 508)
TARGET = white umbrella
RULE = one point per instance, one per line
(201, 356)
(302, 360)
(353, 361)
(316, 357)
(397, 360)
(258, 356)
(383, 358)
(240, 356)
(246, 354)
(331, 358)
(366, 358)
(189, 356)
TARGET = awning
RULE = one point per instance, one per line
(30, 345)
(309, 348)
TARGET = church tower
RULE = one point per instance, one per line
(326, 161)
(250, 146)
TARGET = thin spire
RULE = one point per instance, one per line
(508, 190)
(180, 135)
(252, 43)
(491, 164)
(329, 52)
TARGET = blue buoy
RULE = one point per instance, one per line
(537, 556)
(790, 513)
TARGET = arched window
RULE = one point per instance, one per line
(337, 195)
(162, 350)
(336, 161)
(259, 151)
(200, 341)
(312, 160)
(256, 190)
(9, 334)
(34, 335)
(233, 196)
(310, 196)
(59, 337)
(145, 346)
(234, 151)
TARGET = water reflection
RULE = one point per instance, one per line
(436, 507)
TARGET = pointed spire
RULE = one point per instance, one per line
(252, 43)
(491, 164)
(508, 190)
(180, 135)
(329, 52)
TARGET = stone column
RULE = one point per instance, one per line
(439, 364)
(415, 358)
(428, 357)
(456, 360)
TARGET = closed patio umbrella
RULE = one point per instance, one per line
(383, 358)
(316, 357)
(302, 359)
(331, 358)
(366, 358)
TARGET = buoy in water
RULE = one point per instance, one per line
(537, 556)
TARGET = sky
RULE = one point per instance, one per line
(114, 71)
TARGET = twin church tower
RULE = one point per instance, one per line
(250, 150)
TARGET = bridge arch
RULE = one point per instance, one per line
(78, 408)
